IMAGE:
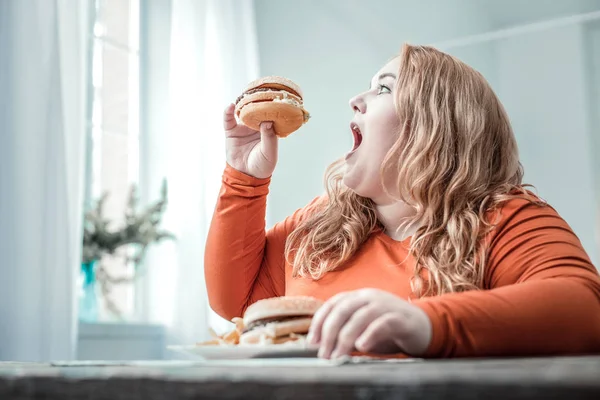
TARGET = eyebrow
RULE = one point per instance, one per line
(384, 75)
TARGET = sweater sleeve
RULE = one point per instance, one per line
(243, 263)
(542, 297)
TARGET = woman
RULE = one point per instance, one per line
(427, 242)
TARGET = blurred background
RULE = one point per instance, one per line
(111, 145)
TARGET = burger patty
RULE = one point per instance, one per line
(252, 91)
(258, 90)
(264, 322)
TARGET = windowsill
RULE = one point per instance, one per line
(120, 330)
(120, 341)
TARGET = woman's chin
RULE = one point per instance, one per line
(360, 186)
(348, 179)
(352, 183)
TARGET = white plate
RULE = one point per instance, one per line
(246, 352)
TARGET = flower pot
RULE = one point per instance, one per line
(88, 295)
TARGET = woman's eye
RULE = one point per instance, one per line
(384, 89)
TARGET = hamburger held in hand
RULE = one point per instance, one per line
(279, 320)
(275, 99)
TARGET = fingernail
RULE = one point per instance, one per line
(268, 125)
(309, 338)
(360, 344)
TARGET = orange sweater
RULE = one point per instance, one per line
(542, 294)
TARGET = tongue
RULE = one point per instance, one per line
(357, 140)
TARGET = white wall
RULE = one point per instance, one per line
(541, 81)
(506, 13)
(332, 48)
(592, 67)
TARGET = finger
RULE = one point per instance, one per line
(314, 333)
(229, 121)
(380, 336)
(337, 318)
(268, 141)
(356, 325)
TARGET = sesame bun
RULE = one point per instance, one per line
(276, 82)
(275, 99)
(281, 307)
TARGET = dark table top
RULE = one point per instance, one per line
(519, 378)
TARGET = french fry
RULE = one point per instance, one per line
(226, 339)
(212, 342)
(239, 324)
(232, 337)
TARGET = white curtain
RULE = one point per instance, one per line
(199, 54)
(43, 48)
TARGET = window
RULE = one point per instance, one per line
(114, 123)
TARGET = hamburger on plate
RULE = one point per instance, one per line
(278, 320)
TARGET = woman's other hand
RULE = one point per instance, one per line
(370, 321)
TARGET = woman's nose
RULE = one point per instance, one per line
(357, 104)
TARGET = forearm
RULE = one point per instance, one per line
(236, 242)
(559, 315)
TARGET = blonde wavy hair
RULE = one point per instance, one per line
(454, 161)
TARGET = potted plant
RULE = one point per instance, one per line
(140, 230)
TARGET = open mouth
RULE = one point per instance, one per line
(357, 136)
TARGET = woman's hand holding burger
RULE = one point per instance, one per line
(370, 321)
(269, 107)
(250, 151)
